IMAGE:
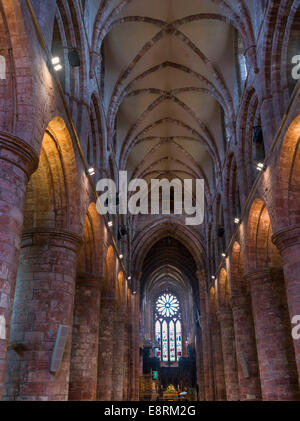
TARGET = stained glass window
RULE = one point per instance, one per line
(167, 305)
(165, 344)
(178, 339)
(157, 338)
(168, 329)
(172, 340)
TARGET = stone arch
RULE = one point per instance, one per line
(223, 290)
(91, 253)
(109, 287)
(52, 199)
(288, 178)
(261, 252)
(16, 109)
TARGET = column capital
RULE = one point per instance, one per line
(287, 237)
(19, 153)
(224, 315)
(52, 236)
(237, 301)
(108, 300)
(257, 275)
(89, 280)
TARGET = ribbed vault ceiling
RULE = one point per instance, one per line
(169, 77)
(169, 266)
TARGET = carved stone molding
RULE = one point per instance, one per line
(89, 280)
(52, 236)
(19, 153)
(287, 237)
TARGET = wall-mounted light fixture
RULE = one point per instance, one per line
(260, 166)
(56, 64)
(91, 171)
(236, 221)
(73, 57)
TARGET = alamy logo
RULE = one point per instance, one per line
(296, 68)
(296, 329)
(188, 197)
(2, 68)
(2, 327)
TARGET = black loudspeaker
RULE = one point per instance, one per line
(123, 230)
(258, 135)
(59, 348)
(74, 58)
(221, 231)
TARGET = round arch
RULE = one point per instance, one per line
(260, 250)
(288, 178)
(52, 199)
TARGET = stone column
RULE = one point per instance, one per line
(229, 354)
(118, 360)
(288, 243)
(17, 162)
(248, 371)
(106, 348)
(206, 345)
(43, 300)
(138, 358)
(126, 363)
(85, 338)
(131, 361)
(199, 363)
(219, 378)
(273, 340)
